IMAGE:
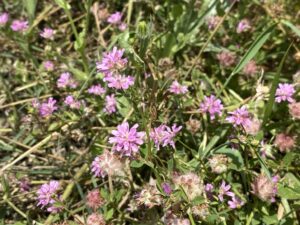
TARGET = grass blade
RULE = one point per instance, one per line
(291, 26)
(254, 48)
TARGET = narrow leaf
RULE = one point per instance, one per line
(291, 26)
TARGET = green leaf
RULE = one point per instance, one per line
(30, 6)
(136, 164)
(291, 26)
(63, 4)
(109, 214)
(275, 82)
(254, 48)
(235, 155)
(289, 188)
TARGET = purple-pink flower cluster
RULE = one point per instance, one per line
(111, 65)
(164, 135)
(239, 117)
(177, 88)
(110, 104)
(126, 140)
(47, 33)
(66, 80)
(48, 196)
(116, 19)
(284, 92)
(4, 18)
(96, 90)
(19, 25)
(211, 105)
(45, 108)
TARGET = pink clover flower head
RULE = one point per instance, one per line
(112, 61)
(110, 104)
(48, 65)
(177, 88)
(19, 25)
(239, 117)
(126, 140)
(284, 93)
(250, 68)
(235, 202)
(211, 105)
(47, 195)
(164, 135)
(115, 18)
(47, 33)
(96, 90)
(243, 26)
(226, 58)
(66, 80)
(4, 18)
(224, 190)
(72, 103)
(294, 110)
(122, 26)
(120, 82)
(107, 164)
(265, 188)
(47, 108)
(94, 199)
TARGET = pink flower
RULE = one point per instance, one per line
(112, 61)
(47, 33)
(285, 142)
(164, 135)
(250, 68)
(239, 117)
(209, 190)
(235, 202)
(110, 104)
(211, 105)
(95, 219)
(94, 199)
(107, 164)
(115, 18)
(294, 109)
(47, 108)
(48, 65)
(72, 103)
(213, 22)
(265, 188)
(226, 58)
(120, 81)
(4, 18)
(284, 93)
(96, 90)
(19, 25)
(122, 26)
(176, 88)
(35, 103)
(66, 80)
(167, 188)
(126, 140)
(224, 190)
(243, 26)
(47, 195)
